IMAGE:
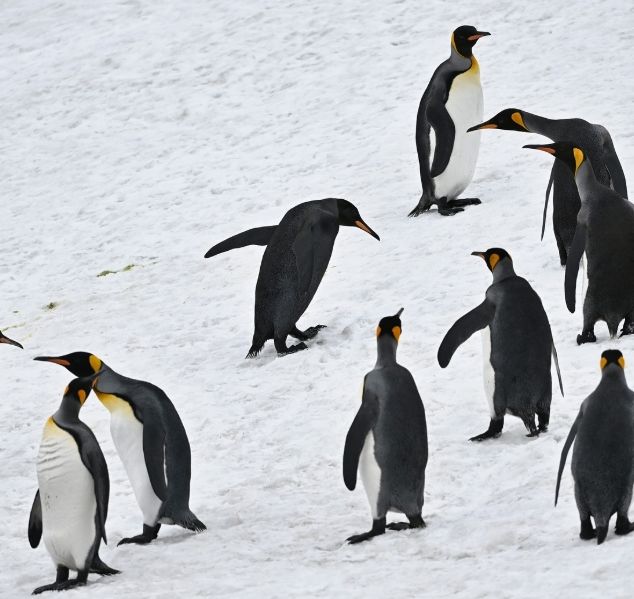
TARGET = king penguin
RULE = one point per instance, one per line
(517, 345)
(5, 339)
(71, 505)
(151, 441)
(387, 441)
(451, 103)
(603, 456)
(595, 139)
(605, 232)
(297, 253)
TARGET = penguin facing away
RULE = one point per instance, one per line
(5, 339)
(387, 441)
(605, 232)
(517, 346)
(297, 253)
(151, 441)
(595, 139)
(71, 505)
(452, 102)
(603, 455)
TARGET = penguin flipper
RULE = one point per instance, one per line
(154, 453)
(445, 132)
(475, 320)
(564, 452)
(257, 236)
(572, 265)
(614, 167)
(35, 521)
(556, 360)
(548, 188)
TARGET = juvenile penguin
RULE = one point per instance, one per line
(151, 441)
(71, 505)
(595, 139)
(605, 232)
(517, 344)
(387, 441)
(603, 456)
(297, 253)
(451, 103)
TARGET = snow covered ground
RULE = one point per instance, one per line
(143, 132)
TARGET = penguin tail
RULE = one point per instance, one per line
(182, 517)
(99, 567)
(602, 532)
(256, 345)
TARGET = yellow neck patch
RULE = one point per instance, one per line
(579, 158)
(493, 260)
(95, 363)
(516, 117)
(396, 331)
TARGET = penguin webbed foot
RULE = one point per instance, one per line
(63, 584)
(398, 526)
(623, 526)
(99, 567)
(147, 536)
(309, 333)
(459, 203)
(424, 204)
(449, 211)
(586, 337)
(628, 328)
(587, 532)
(378, 528)
(493, 432)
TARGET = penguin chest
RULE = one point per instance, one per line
(67, 493)
(465, 107)
(487, 369)
(370, 473)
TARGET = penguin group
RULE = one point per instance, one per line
(387, 441)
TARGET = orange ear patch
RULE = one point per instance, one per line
(82, 396)
(579, 157)
(396, 332)
(516, 117)
(603, 363)
(622, 362)
(493, 260)
(378, 331)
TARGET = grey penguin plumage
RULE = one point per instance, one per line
(517, 347)
(297, 253)
(151, 441)
(597, 142)
(451, 102)
(71, 505)
(387, 441)
(605, 232)
(603, 454)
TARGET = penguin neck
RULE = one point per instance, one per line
(503, 270)
(68, 410)
(386, 347)
(459, 61)
(586, 180)
(613, 374)
(538, 124)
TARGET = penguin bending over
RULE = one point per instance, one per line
(297, 253)
(451, 103)
(595, 139)
(603, 456)
(517, 346)
(387, 441)
(71, 505)
(151, 441)
(605, 232)
(5, 339)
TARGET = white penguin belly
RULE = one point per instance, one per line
(370, 473)
(67, 493)
(127, 434)
(465, 106)
(487, 369)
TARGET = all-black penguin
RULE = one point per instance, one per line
(603, 456)
(517, 345)
(297, 253)
(605, 232)
(5, 339)
(151, 441)
(595, 139)
(71, 505)
(387, 441)
(451, 103)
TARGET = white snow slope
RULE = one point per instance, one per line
(143, 132)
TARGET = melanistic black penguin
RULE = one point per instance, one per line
(297, 253)
(517, 345)
(71, 505)
(605, 232)
(603, 456)
(5, 339)
(151, 441)
(387, 441)
(451, 103)
(595, 139)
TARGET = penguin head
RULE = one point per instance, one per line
(79, 389)
(80, 363)
(464, 38)
(348, 216)
(390, 326)
(493, 256)
(5, 339)
(566, 151)
(612, 358)
(510, 119)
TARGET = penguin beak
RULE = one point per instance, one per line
(480, 254)
(59, 361)
(485, 125)
(398, 314)
(476, 36)
(5, 339)
(359, 223)
(547, 149)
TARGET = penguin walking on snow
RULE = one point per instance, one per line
(603, 456)
(517, 345)
(451, 103)
(595, 139)
(297, 253)
(387, 441)
(151, 441)
(71, 504)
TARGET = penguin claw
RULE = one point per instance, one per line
(293, 349)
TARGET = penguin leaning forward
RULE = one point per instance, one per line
(297, 253)
(387, 441)
(517, 344)
(451, 103)
(71, 505)
(595, 139)
(605, 232)
(150, 439)
(603, 456)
